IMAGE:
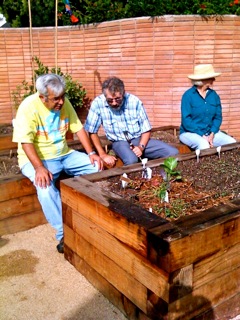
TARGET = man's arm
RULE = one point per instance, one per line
(43, 176)
(86, 143)
(109, 160)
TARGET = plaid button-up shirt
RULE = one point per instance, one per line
(131, 117)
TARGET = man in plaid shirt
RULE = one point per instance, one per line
(125, 122)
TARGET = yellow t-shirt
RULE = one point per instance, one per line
(45, 128)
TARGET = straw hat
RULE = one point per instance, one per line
(203, 71)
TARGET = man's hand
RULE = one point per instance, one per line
(109, 160)
(138, 151)
(94, 158)
(43, 177)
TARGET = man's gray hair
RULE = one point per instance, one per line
(113, 84)
(50, 81)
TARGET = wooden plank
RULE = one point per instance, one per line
(15, 187)
(206, 297)
(196, 246)
(227, 309)
(108, 269)
(19, 206)
(6, 142)
(104, 211)
(181, 283)
(186, 246)
(109, 291)
(140, 268)
(216, 265)
(22, 222)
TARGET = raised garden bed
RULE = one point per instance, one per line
(148, 266)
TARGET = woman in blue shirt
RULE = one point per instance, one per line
(201, 112)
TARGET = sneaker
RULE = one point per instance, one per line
(60, 246)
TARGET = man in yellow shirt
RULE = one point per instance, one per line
(42, 122)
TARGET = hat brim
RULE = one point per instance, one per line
(203, 76)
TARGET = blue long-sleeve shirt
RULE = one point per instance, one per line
(199, 115)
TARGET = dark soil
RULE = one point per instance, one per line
(8, 161)
(210, 182)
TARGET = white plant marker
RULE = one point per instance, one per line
(218, 151)
(197, 154)
(144, 162)
(150, 210)
(124, 183)
(148, 173)
(166, 198)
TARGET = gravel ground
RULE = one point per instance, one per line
(37, 283)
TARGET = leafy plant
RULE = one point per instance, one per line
(169, 174)
(174, 210)
(74, 90)
(95, 11)
(169, 165)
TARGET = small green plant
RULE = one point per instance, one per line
(169, 174)
(176, 209)
(74, 90)
(169, 165)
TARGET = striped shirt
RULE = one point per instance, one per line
(130, 117)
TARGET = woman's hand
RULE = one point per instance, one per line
(209, 139)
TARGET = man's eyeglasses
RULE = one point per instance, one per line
(118, 100)
(57, 99)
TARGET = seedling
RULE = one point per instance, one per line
(169, 165)
(169, 175)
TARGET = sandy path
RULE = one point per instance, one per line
(37, 283)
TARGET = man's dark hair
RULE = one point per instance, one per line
(113, 84)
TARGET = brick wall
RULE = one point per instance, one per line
(152, 57)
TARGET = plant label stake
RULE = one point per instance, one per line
(197, 154)
(218, 151)
(147, 172)
(124, 178)
(166, 198)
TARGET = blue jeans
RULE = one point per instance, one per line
(74, 164)
(154, 149)
(195, 141)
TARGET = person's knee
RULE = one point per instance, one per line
(172, 151)
(129, 160)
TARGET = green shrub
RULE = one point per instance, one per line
(74, 90)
